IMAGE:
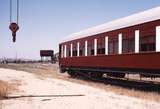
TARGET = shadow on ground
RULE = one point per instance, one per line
(36, 96)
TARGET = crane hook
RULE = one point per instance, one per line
(14, 28)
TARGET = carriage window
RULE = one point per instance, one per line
(92, 52)
(101, 48)
(110, 47)
(101, 51)
(74, 52)
(82, 49)
(81, 52)
(128, 45)
(74, 49)
(113, 47)
(68, 51)
(125, 44)
(147, 43)
(90, 48)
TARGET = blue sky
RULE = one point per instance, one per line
(44, 23)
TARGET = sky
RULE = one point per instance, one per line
(44, 23)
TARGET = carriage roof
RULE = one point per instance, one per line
(138, 18)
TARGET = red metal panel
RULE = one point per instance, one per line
(141, 60)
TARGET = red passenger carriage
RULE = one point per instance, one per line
(127, 45)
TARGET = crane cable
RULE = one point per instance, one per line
(17, 11)
(11, 11)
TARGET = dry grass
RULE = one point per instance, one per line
(8, 88)
(5, 89)
(41, 70)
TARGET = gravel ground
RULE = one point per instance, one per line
(49, 93)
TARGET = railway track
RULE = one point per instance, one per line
(129, 83)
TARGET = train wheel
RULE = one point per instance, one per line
(95, 75)
(62, 69)
(147, 76)
(117, 75)
(73, 74)
(122, 75)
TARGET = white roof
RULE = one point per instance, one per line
(138, 18)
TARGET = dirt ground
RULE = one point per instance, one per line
(35, 92)
(148, 91)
